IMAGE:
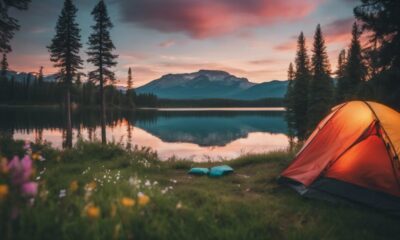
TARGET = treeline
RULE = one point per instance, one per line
(33, 90)
(370, 72)
(266, 102)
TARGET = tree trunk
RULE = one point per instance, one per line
(103, 112)
(69, 120)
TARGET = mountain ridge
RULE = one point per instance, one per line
(206, 84)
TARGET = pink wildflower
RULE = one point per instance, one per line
(29, 189)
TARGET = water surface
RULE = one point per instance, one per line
(197, 134)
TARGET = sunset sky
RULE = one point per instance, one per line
(249, 38)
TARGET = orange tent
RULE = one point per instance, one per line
(353, 154)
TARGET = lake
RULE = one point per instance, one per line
(198, 134)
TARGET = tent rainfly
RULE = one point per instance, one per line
(353, 154)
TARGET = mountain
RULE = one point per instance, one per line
(22, 76)
(273, 89)
(206, 84)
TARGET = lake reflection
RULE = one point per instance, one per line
(199, 135)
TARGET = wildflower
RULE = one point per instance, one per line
(147, 183)
(3, 166)
(29, 189)
(36, 156)
(164, 191)
(27, 145)
(21, 171)
(3, 191)
(179, 205)
(143, 199)
(62, 193)
(127, 202)
(92, 211)
(73, 186)
(91, 186)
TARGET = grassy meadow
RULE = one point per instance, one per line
(108, 192)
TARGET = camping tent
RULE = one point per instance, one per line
(353, 154)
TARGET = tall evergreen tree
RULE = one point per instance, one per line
(381, 19)
(289, 98)
(4, 66)
(40, 76)
(101, 56)
(8, 24)
(64, 50)
(130, 79)
(340, 76)
(321, 85)
(301, 80)
(130, 92)
(355, 70)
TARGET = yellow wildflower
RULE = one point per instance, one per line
(143, 199)
(3, 191)
(73, 186)
(35, 156)
(90, 186)
(127, 202)
(93, 212)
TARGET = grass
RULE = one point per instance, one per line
(248, 204)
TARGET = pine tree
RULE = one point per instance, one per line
(381, 19)
(40, 76)
(8, 24)
(302, 77)
(130, 81)
(289, 98)
(64, 50)
(100, 55)
(321, 85)
(4, 66)
(340, 76)
(355, 70)
(130, 92)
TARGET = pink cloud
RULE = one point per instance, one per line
(208, 18)
(338, 31)
(286, 46)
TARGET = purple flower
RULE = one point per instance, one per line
(26, 163)
(29, 189)
(27, 145)
(20, 170)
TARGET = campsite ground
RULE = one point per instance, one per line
(247, 204)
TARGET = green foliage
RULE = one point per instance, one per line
(247, 204)
(8, 24)
(101, 47)
(352, 70)
(289, 101)
(65, 46)
(321, 86)
(340, 76)
(382, 20)
(300, 91)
